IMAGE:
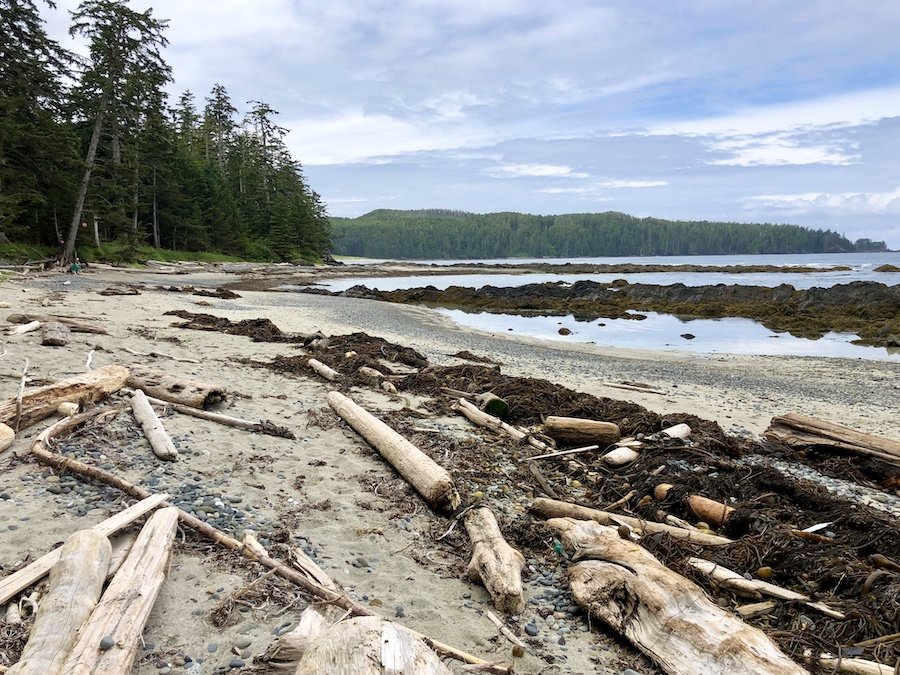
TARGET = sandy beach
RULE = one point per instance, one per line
(328, 489)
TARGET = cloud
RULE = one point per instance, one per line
(632, 183)
(861, 203)
(533, 170)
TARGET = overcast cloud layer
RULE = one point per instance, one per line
(742, 110)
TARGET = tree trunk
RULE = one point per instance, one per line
(17, 582)
(576, 431)
(69, 253)
(167, 387)
(430, 480)
(43, 402)
(369, 646)
(497, 564)
(156, 243)
(75, 585)
(55, 334)
(667, 617)
(551, 508)
(160, 442)
(125, 606)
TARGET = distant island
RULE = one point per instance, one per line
(447, 234)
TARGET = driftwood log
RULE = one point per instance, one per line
(477, 416)
(708, 510)
(577, 431)
(75, 585)
(125, 606)
(494, 562)
(160, 441)
(175, 389)
(552, 508)
(74, 325)
(666, 616)
(430, 480)
(41, 403)
(24, 328)
(7, 436)
(17, 582)
(368, 645)
(41, 452)
(800, 431)
(55, 334)
(285, 653)
(322, 370)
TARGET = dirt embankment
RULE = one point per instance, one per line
(869, 309)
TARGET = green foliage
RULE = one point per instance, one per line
(442, 234)
(109, 154)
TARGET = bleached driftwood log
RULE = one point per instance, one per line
(706, 509)
(665, 615)
(321, 369)
(75, 585)
(74, 325)
(477, 416)
(125, 606)
(55, 334)
(41, 403)
(160, 441)
(17, 582)
(23, 328)
(285, 653)
(577, 431)
(430, 480)
(181, 390)
(552, 508)
(800, 431)
(497, 564)
(7, 436)
(369, 646)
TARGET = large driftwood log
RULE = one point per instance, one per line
(369, 646)
(41, 452)
(43, 402)
(430, 480)
(75, 585)
(800, 431)
(160, 441)
(175, 389)
(125, 606)
(497, 564)
(74, 325)
(666, 616)
(17, 582)
(576, 431)
(55, 334)
(552, 508)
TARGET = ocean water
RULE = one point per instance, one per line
(663, 331)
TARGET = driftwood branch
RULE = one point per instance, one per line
(483, 419)
(551, 508)
(159, 439)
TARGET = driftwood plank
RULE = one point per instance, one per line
(75, 585)
(125, 606)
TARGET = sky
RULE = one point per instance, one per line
(751, 111)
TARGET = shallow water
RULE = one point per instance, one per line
(663, 332)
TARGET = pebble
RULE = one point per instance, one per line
(212, 647)
(243, 643)
(531, 629)
(236, 663)
(399, 612)
(107, 642)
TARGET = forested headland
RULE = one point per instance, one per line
(443, 234)
(94, 155)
